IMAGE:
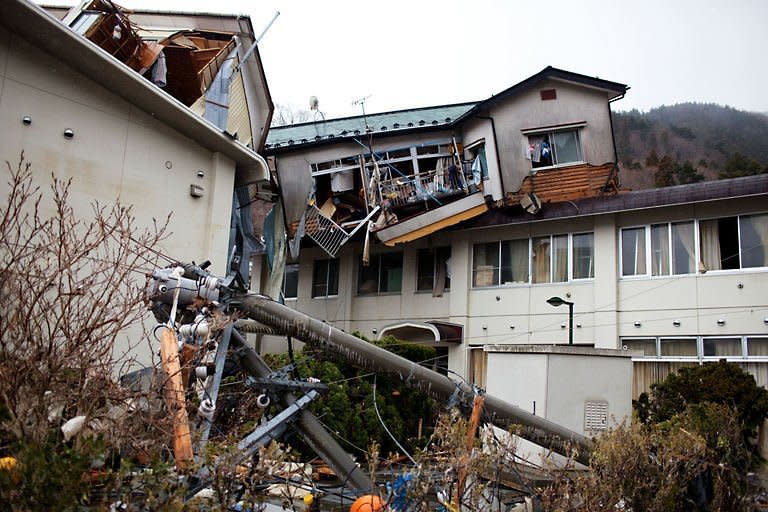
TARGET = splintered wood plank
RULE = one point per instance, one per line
(174, 398)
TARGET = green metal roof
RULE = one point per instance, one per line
(347, 127)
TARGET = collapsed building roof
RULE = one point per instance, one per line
(108, 68)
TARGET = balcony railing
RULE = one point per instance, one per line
(430, 188)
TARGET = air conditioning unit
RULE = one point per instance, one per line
(530, 203)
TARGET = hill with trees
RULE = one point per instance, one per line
(689, 142)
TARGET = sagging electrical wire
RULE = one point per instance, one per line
(378, 415)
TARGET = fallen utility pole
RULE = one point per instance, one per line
(368, 356)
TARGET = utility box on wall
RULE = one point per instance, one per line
(581, 388)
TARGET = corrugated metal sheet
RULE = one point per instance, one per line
(238, 121)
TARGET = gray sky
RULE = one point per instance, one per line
(419, 53)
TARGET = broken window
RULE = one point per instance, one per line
(325, 278)
(384, 274)
(551, 148)
(478, 163)
(433, 270)
(339, 190)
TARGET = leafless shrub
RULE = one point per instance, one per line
(69, 289)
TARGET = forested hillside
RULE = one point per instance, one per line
(689, 142)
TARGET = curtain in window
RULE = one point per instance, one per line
(757, 346)
(567, 147)
(671, 347)
(560, 255)
(682, 248)
(722, 347)
(540, 259)
(647, 346)
(583, 249)
(754, 241)
(633, 251)
(660, 250)
(709, 234)
(514, 261)
(485, 264)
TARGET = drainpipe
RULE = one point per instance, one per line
(613, 134)
(496, 152)
(370, 357)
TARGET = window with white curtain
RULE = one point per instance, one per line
(583, 256)
(543, 259)
(633, 252)
(731, 243)
(672, 249)
(704, 348)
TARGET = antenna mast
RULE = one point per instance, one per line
(361, 102)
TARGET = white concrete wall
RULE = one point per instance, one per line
(560, 384)
(118, 151)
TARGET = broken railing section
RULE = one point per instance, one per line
(196, 290)
(197, 304)
(326, 233)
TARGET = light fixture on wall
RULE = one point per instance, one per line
(27, 120)
(196, 190)
(637, 323)
(676, 323)
(720, 321)
(374, 330)
(69, 133)
(557, 302)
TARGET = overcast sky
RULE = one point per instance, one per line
(418, 53)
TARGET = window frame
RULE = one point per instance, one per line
(376, 259)
(499, 267)
(433, 252)
(294, 268)
(698, 265)
(550, 133)
(328, 274)
(743, 357)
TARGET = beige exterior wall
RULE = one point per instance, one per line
(606, 307)
(574, 104)
(118, 151)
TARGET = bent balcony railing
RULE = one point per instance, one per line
(426, 187)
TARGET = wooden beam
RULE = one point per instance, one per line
(174, 398)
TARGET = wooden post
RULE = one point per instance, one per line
(174, 398)
(474, 421)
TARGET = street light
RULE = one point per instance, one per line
(557, 301)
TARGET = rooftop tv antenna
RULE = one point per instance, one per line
(361, 102)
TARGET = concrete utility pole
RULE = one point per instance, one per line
(358, 352)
